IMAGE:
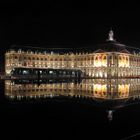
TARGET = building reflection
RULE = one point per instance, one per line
(98, 89)
(111, 94)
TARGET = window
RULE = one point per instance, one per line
(120, 58)
(50, 72)
(60, 72)
(25, 64)
(64, 72)
(73, 73)
(25, 72)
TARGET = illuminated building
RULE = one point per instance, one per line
(110, 60)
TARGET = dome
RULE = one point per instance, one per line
(111, 45)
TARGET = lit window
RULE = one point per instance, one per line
(25, 72)
(50, 72)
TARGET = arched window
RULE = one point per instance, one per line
(100, 56)
(120, 58)
(25, 64)
(110, 57)
(104, 57)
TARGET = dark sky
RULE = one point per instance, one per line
(68, 23)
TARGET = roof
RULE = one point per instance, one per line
(112, 46)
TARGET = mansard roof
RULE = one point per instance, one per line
(113, 46)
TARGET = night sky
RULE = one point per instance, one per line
(67, 23)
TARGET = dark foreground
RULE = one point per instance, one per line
(64, 118)
(67, 118)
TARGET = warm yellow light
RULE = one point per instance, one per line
(100, 90)
(123, 91)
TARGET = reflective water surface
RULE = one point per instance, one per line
(110, 94)
(104, 106)
(102, 89)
